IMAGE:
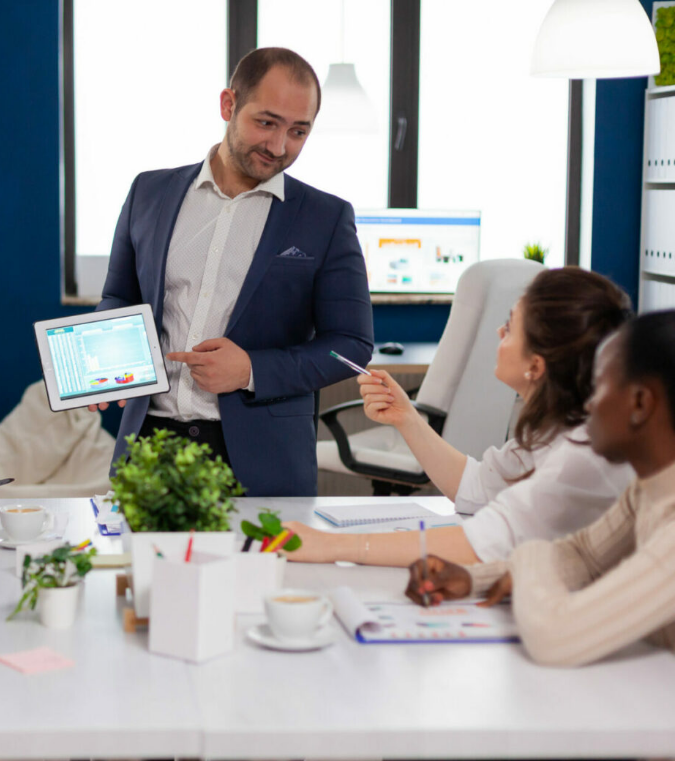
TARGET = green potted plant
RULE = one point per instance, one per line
(168, 487)
(535, 251)
(53, 580)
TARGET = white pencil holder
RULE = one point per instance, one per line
(258, 574)
(192, 607)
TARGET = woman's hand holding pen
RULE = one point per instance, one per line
(439, 581)
(384, 400)
(450, 581)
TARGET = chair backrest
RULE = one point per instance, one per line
(461, 378)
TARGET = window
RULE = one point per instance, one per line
(147, 77)
(492, 137)
(353, 166)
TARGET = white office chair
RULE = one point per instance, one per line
(53, 454)
(460, 396)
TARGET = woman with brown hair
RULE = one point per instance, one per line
(612, 583)
(543, 483)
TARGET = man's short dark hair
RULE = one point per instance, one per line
(254, 65)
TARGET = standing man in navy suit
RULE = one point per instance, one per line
(253, 276)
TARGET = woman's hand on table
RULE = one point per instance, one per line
(317, 546)
(384, 399)
(440, 581)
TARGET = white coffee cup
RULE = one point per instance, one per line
(296, 614)
(24, 522)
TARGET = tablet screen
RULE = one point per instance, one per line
(102, 356)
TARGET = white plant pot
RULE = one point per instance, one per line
(57, 606)
(257, 575)
(173, 546)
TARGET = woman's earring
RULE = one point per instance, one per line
(528, 375)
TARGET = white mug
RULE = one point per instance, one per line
(296, 614)
(25, 522)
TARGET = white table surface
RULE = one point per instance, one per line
(347, 701)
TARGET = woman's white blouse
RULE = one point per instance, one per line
(571, 487)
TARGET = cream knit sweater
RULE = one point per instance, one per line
(587, 595)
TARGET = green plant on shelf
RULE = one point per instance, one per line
(535, 251)
(665, 38)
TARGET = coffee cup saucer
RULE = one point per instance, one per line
(262, 635)
(11, 544)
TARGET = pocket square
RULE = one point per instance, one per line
(294, 253)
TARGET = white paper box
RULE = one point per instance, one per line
(192, 607)
(257, 574)
(173, 546)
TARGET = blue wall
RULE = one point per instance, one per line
(29, 194)
(617, 190)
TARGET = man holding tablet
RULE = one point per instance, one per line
(253, 278)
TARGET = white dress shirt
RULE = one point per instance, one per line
(571, 487)
(210, 253)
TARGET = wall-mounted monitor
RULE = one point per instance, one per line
(414, 251)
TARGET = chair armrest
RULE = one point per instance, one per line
(329, 417)
(436, 419)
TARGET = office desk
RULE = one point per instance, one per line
(415, 359)
(347, 701)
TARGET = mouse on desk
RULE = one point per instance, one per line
(391, 348)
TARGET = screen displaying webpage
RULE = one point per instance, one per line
(413, 251)
(101, 356)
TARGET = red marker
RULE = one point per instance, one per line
(266, 540)
(188, 552)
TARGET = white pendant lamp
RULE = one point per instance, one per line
(596, 39)
(345, 106)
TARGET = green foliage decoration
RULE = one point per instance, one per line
(665, 38)
(168, 483)
(535, 251)
(63, 567)
(270, 526)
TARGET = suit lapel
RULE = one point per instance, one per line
(177, 187)
(279, 221)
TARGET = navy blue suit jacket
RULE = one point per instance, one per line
(291, 312)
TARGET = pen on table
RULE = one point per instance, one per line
(425, 570)
(188, 552)
(158, 552)
(6, 481)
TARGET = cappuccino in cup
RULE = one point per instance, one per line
(297, 614)
(22, 523)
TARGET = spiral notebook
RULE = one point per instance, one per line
(360, 515)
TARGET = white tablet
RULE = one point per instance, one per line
(101, 357)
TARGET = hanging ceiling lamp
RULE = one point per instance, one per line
(345, 106)
(595, 39)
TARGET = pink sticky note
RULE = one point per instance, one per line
(35, 661)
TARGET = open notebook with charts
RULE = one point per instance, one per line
(391, 622)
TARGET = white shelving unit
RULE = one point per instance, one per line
(657, 239)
